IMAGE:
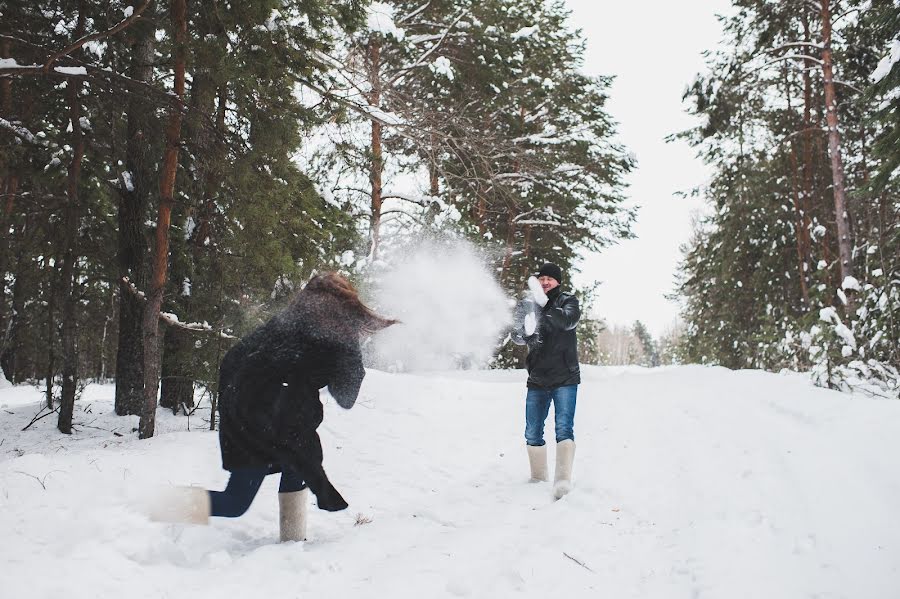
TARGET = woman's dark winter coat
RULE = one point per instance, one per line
(269, 385)
(553, 348)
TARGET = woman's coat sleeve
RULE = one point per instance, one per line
(347, 377)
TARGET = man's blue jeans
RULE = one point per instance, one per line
(537, 406)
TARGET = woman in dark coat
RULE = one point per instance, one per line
(269, 402)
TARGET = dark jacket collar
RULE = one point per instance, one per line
(551, 295)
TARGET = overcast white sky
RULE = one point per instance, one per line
(654, 50)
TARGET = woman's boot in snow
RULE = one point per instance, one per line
(562, 480)
(537, 457)
(293, 509)
(185, 505)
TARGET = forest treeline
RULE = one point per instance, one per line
(171, 171)
(796, 264)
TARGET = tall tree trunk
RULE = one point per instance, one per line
(7, 193)
(841, 216)
(177, 383)
(802, 229)
(377, 166)
(481, 214)
(526, 252)
(13, 334)
(510, 239)
(102, 367)
(147, 425)
(6, 82)
(134, 195)
(433, 157)
(73, 179)
(50, 265)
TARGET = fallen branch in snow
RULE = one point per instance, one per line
(39, 417)
(112, 432)
(41, 481)
(580, 563)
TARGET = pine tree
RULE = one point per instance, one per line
(767, 278)
(651, 353)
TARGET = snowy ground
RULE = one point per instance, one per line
(689, 482)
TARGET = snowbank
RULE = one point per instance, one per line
(689, 482)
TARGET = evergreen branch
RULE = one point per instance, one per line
(400, 213)
(338, 67)
(544, 223)
(414, 12)
(793, 44)
(814, 4)
(791, 57)
(172, 319)
(126, 82)
(845, 84)
(364, 108)
(96, 36)
(425, 203)
(21, 132)
(32, 69)
(429, 52)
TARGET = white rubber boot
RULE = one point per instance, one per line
(293, 509)
(562, 479)
(185, 505)
(537, 458)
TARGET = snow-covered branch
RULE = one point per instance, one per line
(815, 5)
(172, 319)
(794, 45)
(421, 60)
(21, 132)
(424, 202)
(375, 113)
(414, 12)
(788, 57)
(849, 85)
(131, 15)
(818, 61)
(545, 223)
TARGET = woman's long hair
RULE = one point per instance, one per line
(341, 303)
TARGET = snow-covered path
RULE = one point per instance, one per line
(689, 482)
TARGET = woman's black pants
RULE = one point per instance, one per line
(242, 488)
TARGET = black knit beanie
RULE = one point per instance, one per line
(551, 270)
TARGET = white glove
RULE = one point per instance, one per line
(530, 324)
(537, 291)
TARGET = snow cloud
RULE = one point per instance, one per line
(452, 310)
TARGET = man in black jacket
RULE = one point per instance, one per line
(545, 322)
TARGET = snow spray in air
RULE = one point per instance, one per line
(451, 309)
